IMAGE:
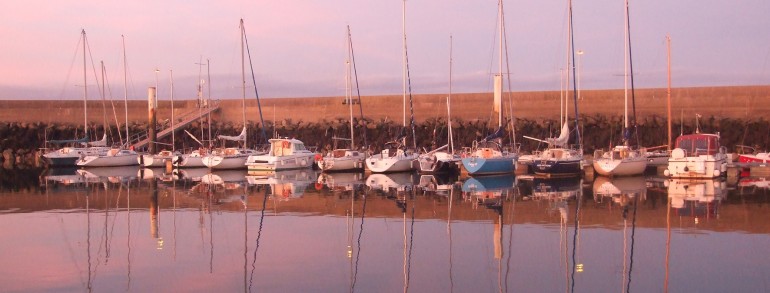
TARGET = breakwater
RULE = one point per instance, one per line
(21, 141)
(736, 112)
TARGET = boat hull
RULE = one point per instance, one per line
(558, 168)
(758, 158)
(489, 166)
(109, 161)
(620, 167)
(279, 163)
(379, 164)
(225, 162)
(341, 164)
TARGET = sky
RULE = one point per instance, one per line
(298, 47)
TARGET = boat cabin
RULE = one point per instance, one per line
(698, 144)
(286, 147)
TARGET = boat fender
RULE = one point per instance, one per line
(666, 172)
(318, 157)
(717, 173)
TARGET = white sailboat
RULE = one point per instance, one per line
(116, 156)
(68, 155)
(488, 156)
(233, 158)
(623, 160)
(395, 157)
(438, 160)
(345, 159)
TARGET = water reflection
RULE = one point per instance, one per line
(400, 232)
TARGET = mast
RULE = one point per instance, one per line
(358, 90)
(631, 69)
(85, 87)
(449, 101)
(403, 82)
(625, 66)
(125, 86)
(574, 86)
(173, 140)
(668, 91)
(208, 97)
(243, 79)
(499, 104)
(349, 93)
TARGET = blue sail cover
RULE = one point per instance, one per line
(498, 134)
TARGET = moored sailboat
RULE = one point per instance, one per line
(623, 160)
(234, 158)
(488, 156)
(395, 156)
(78, 148)
(345, 159)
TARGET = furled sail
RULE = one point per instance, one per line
(239, 137)
(560, 141)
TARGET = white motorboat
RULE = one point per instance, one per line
(697, 156)
(284, 154)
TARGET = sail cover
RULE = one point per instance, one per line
(560, 141)
(99, 143)
(239, 137)
(499, 133)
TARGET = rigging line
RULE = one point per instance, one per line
(259, 235)
(358, 247)
(574, 239)
(633, 232)
(358, 90)
(254, 80)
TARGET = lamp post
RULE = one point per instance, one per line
(580, 56)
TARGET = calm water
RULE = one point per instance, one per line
(124, 230)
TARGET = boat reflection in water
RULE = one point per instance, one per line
(339, 181)
(109, 174)
(555, 188)
(284, 185)
(391, 181)
(439, 184)
(696, 197)
(621, 190)
(488, 190)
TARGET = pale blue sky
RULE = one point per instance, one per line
(298, 46)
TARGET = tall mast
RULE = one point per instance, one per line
(243, 78)
(500, 69)
(173, 140)
(625, 65)
(574, 84)
(125, 85)
(449, 101)
(668, 91)
(349, 92)
(85, 87)
(208, 97)
(403, 28)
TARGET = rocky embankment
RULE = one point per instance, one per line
(21, 142)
